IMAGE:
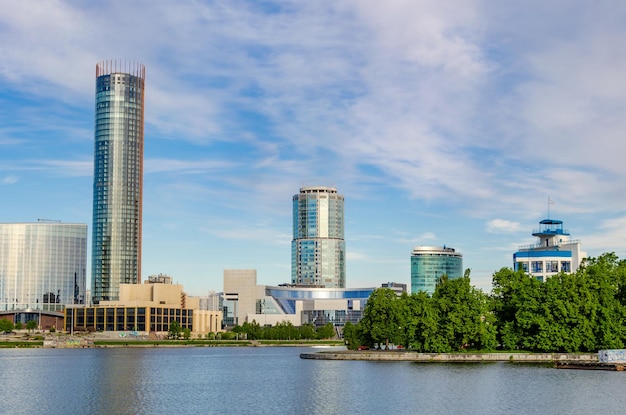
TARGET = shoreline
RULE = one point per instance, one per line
(407, 356)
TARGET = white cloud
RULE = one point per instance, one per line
(353, 255)
(608, 237)
(503, 226)
(162, 165)
(11, 179)
(66, 167)
(461, 104)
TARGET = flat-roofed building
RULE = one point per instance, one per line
(149, 307)
(245, 301)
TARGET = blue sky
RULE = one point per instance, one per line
(439, 123)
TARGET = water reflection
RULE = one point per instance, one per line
(275, 380)
(115, 378)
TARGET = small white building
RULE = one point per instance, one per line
(554, 252)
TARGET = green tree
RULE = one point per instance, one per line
(186, 333)
(382, 321)
(175, 330)
(307, 331)
(516, 299)
(252, 330)
(18, 325)
(422, 323)
(31, 325)
(605, 277)
(351, 336)
(6, 326)
(327, 331)
(465, 317)
(567, 313)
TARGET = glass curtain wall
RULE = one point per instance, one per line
(118, 178)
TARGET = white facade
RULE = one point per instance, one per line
(554, 252)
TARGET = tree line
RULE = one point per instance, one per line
(7, 326)
(583, 311)
(285, 331)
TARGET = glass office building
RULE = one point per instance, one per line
(430, 263)
(42, 265)
(318, 248)
(118, 178)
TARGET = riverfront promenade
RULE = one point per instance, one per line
(407, 356)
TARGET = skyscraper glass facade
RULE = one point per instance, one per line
(42, 265)
(118, 178)
(430, 263)
(318, 248)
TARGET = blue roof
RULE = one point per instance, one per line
(551, 222)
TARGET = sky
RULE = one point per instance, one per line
(441, 123)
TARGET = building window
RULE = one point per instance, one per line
(522, 266)
(537, 266)
(552, 266)
(566, 266)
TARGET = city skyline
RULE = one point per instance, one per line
(441, 126)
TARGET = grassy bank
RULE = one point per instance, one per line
(20, 344)
(300, 342)
(172, 343)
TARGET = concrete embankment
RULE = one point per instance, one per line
(406, 356)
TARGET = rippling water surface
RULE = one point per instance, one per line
(275, 380)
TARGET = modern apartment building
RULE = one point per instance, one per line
(42, 265)
(553, 252)
(318, 248)
(118, 178)
(430, 263)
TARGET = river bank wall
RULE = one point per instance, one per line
(405, 356)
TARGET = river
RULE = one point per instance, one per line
(274, 380)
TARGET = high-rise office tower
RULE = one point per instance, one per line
(42, 265)
(318, 248)
(118, 178)
(430, 263)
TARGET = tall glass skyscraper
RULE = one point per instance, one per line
(318, 248)
(430, 263)
(118, 178)
(42, 265)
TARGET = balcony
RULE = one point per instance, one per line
(541, 247)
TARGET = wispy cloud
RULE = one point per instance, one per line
(69, 168)
(503, 226)
(472, 110)
(259, 233)
(162, 165)
(608, 238)
(11, 179)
